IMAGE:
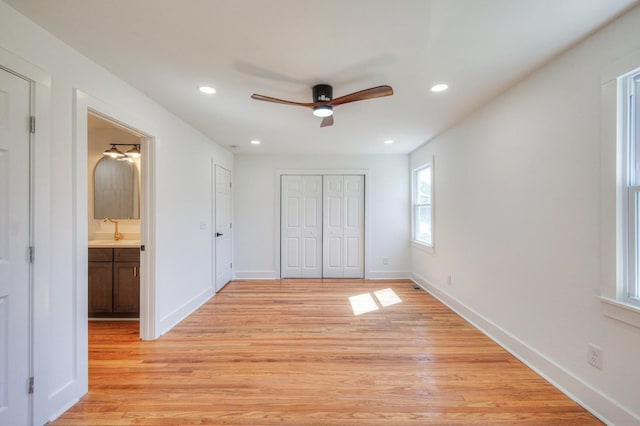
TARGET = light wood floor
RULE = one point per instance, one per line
(293, 352)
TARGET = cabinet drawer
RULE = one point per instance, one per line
(126, 255)
(100, 254)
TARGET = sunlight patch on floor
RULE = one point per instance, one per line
(363, 303)
(387, 297)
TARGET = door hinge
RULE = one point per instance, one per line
(30, 385)
(230, 265)
(230, 225)
(30, 254)
(32, 124)
(230, 185)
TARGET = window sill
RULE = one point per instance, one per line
(620, 311)
(422, 246)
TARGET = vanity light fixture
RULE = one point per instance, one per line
(133, 152)
(115, 153)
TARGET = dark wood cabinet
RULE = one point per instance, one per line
(126, 287)
(114, 282)
(100, 287)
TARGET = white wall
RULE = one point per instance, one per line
(183, 201)
(256, 200)
(517, 202)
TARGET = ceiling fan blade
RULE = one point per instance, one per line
(282, 101)
(374, 92)
(327, 121)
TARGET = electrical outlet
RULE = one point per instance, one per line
(449, 280)
(385, 260)
(594, 356)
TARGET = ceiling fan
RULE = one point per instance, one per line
(323, 101)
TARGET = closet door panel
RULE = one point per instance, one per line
(353, 231)
(343, 213)
(301, 227)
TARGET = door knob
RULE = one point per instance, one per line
(218, 234)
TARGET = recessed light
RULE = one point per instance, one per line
(207, 90)
(255, 142)
(441, 87)
(388, 142)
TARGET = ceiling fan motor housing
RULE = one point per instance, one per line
(322, 93)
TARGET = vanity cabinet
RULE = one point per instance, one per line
(114, 283)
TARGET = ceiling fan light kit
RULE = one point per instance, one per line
(323, 111)
(323, 101)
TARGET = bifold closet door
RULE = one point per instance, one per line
(301, 227)
(343, 227)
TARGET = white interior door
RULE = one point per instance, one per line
(14, 242)
(223, 226)
(343, 226)
(301, 227)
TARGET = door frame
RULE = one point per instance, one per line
(323, 172)
(83, 105)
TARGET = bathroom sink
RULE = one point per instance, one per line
(112, 243)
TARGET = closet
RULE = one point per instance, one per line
(322, 226)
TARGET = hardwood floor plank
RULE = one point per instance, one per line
(293, 352)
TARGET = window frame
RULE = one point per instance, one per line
(629, 110)
(420, 244)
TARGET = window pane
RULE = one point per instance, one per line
(634, 284)
(634, 133)
(632, 289)
(423, 224)
(423, 186)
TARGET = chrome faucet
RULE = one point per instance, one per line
(117, 236)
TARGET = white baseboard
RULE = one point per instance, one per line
(388, 275)
(172, 319)
(273, 275)
(575, 388)
(255, 275)
(63, 410)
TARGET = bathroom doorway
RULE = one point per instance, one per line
(87, 107)
(114, 222)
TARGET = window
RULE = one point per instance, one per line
(630, 120)
(423, 205)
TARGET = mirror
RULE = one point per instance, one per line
(116, 189)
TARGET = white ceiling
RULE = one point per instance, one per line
(281, 48)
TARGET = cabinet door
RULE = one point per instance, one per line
(126, 287)
(100, 287)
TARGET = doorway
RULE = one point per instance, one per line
(114, 220)
(86, 105)
(322, 226)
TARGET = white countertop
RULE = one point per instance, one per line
(113, 243)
